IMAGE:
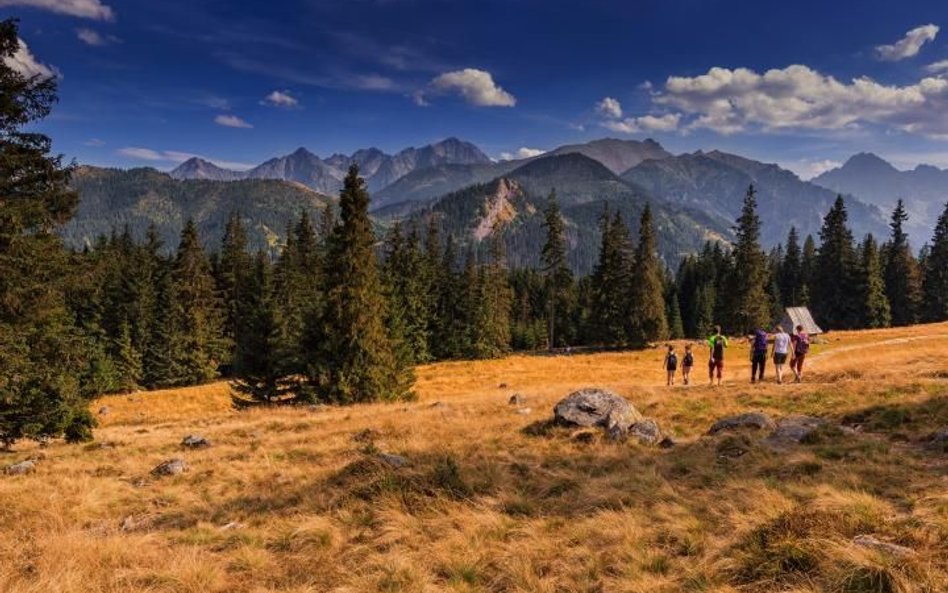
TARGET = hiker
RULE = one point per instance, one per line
(716, 345)
(758, 355)
(780, 351)
(671, 364)
(801, 346)
(687, 362)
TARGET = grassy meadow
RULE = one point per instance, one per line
(299, 500)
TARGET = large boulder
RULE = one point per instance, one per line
(22, 468)
(752, 420)
(596, 407)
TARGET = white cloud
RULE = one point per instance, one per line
(937, 67)
(231, 121)
(281, 99)
(25, 64)
(90, 9)
(175, 157)
(798, 97)
(646, 123)
(476, 86)
(94, 142)
(807, 169)
(909, 45)
(522, 153)
(610, 108)
(94, 38)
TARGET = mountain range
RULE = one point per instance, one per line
(695, 196)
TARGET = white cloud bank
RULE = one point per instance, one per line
(231, 121)
(89, 9)
(611, 110)
(909, 45)
(176, 157)
(477, 87)
(281, 99)
(523, 152)
(937, 67)
(25, 63)
(610, 107)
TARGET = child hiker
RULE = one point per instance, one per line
(671, 364)
(687, 362)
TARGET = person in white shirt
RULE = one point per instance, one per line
(781, 351)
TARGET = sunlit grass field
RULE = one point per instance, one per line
(299, 499)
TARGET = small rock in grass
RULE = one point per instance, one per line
(502, 386)
(755, 420)
(516, 400)
(194, 441)
(104, 411)
(868, 541)
(794, 429)
(395, 461)
(172, 467)
(22, 468)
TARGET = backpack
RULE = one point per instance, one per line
(718, 349)
(803, 343)
(689, 360)
(672, 360)
(760, 341)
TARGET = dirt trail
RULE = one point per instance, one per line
(892, 342)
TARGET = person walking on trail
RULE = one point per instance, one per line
(716, 345)
(758, 342)
(801, 346)
(686, 364)
(780, 351)
(671, 365)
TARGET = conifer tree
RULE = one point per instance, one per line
(835, 302)
(903, 281)
(163, 351)
(408, 293)
(490, 335)
(875, 305)
(128, 360)
(558, 276)
(791, 281)
(233, 275)
(610, 284)
(749, 305)
(935, 287)
(647, 291)
(676, 328)
(42, 352)
(807, 269)
(350, 356)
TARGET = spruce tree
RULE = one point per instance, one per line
(610, 285)
(349, 355)
(558, 276)
(647, 290)
(935, 287)
(490, 329)
(791, 281)
(406, 280)
(233, 284)
(835, 303)
(807, 270)
(42, 352)
(903, 281)
(749, 304)
(875, 305)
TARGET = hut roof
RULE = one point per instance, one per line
(794, 316)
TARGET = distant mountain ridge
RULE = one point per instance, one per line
(876, 181)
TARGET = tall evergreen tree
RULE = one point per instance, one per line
(233, 275)
(559, 277)
(610, 284)
(835, 302)
(350, 356)
(935, 288)
(490, 330)
(647, 290)
(406, 278)
(807, 269)
(875, 305)
(750, 306)
(42, 352)
(791, 279)
(903, 281)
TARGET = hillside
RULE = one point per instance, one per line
(716, 183)
(112, 199)
(493, 499)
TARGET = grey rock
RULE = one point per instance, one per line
(596, 407)
(395, 461)
(794, 429)
(646, 431)
(194, 441)
(754, 420)
(939, 438)
(22, 468)
(104, 411)
(516, 400)
(868, 541)
(172, 467)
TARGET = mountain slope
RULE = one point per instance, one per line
(301, 166)
(617, 155)
(873, 180)
(198, 168)
(111, 199)
(716, 183)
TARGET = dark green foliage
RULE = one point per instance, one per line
(559, 278)
(647, 290)
(875, 306)
(791, 280)
(349, 355)
(935, 288)
(407, 279)
(903, 280)
(489, 328)
(233, 275)
(747, 291)
(610, 284)
(835, 302)
(43, 353)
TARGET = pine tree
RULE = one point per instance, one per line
(807, 270)
(610, 285)
(197, 311)
(558, 276)
(903, 281)
(42, 352)
(128, 360)
(750, 307)
(835, 302)
(935, 287)
(647, 291)
(233, 285)
(406, 280)
(791, 279)
(875, 306)
(490, 330)
(350, 356)
(676, 328)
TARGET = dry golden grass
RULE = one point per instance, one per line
(485, 506)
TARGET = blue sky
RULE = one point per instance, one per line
(802, 83)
